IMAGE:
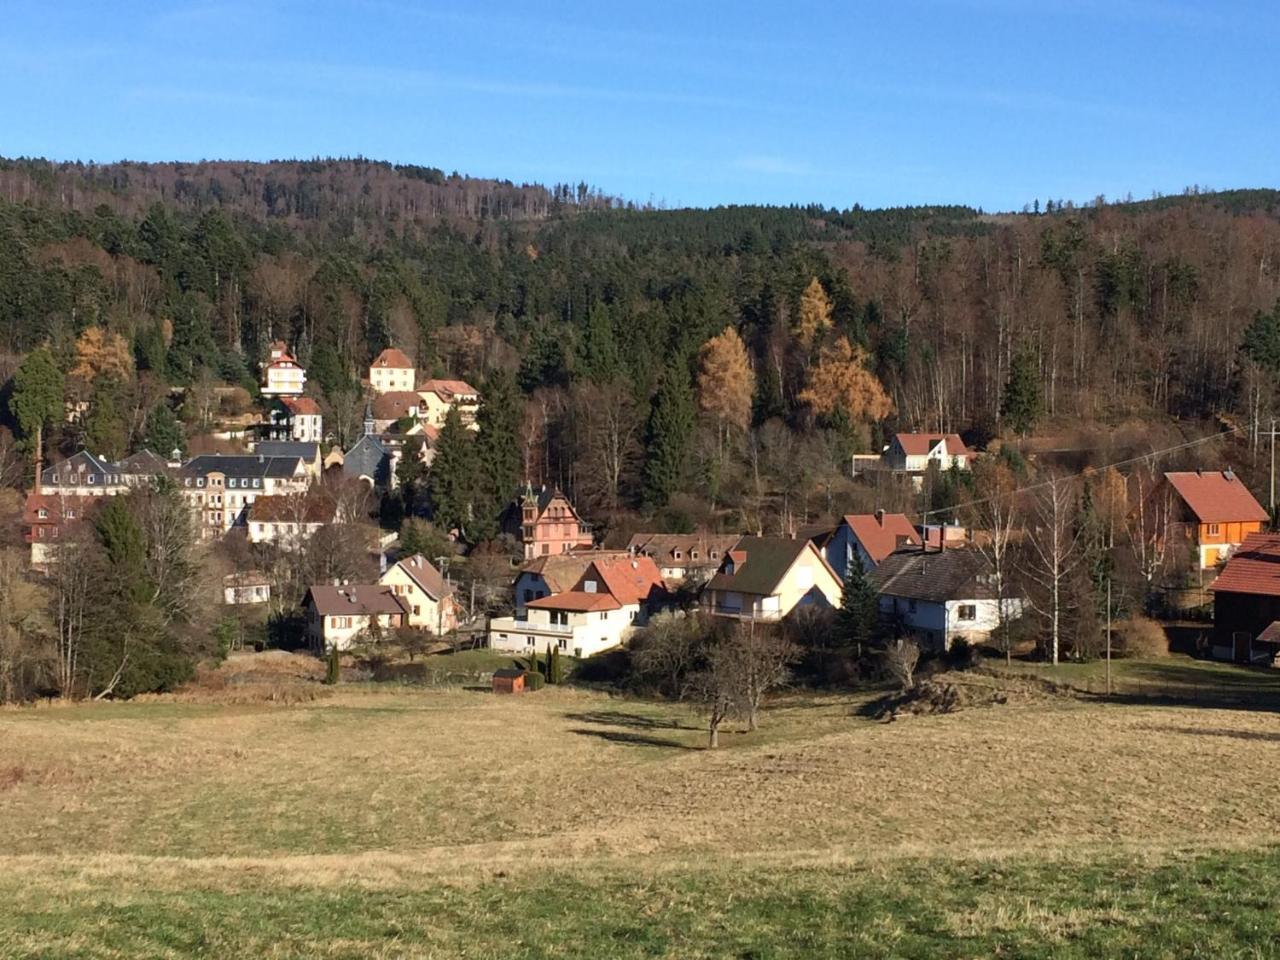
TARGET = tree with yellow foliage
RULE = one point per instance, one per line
(726, 382)
(815, 313)
(101, 353)
(841, 381)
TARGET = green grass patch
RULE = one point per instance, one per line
(1212, 906)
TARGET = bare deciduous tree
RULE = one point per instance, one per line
(668, 650)
(740, 669)
(900, 659)
(995, 514)
(1055, 551)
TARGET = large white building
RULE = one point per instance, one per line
(222, 488)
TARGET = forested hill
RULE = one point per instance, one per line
(1163, 307)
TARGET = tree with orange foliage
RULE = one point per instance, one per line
(726, 382)
(841, 381)
(102, 353)
(815, 313)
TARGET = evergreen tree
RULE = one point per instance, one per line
(333, 666)
(669, 432)
(497, 449)
(37, 398)
(1022, 401)
(122, 538)
(105, 432)
(557, 666)
(164, 432)
(859, 612)
(411, 473)
(1261, 342)
(599, 360)
(452, 480)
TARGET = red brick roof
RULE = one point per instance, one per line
(54, 505)
(396, 404)
(393, 358)
(629, 579)
(879, 535)
(919, 444)
(1216, 497)
(448, 388)
(579, 601)
(302, 406)
(1254, 568)
(292, 508)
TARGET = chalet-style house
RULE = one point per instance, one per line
(246, 588)
(554, 573)
(614, 596)
(867, 538)
(941, 595)
(338, 617)
(48, 518)
(295, 418)
(84, 475)
(221, 488)
(1215, 512)
(1246, 602)
(765, 578)
(282, 374)
(545, 523)
(913, 453)
(438, 397)
(693, 557)
(429, 599)
(288, 520)
(392, 370)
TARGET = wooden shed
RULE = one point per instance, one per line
(508, 680)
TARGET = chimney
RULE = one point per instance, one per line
(1228, 474)
(880, 517)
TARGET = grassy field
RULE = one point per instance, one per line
(448, 822)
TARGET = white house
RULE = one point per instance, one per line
(244, 588)
(282, 375)
(429, 599)
(341, 616)
(914, 452)
(289, 519)
(942, 595)
(392, 370)
(296, 418)
(765, 578)
(220, 488)
(554, 573)
(614, 596)
(84, 475)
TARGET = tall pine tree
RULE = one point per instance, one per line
(669, 432)
(452, 481)
(37, 397)
(1022, 402)
(497, 449)
(859, 612)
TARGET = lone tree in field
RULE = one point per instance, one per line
(740, 669)
(900, 659)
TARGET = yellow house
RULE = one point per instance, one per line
(427, 597)
(391, 370)
(440, 396)
(765, 578)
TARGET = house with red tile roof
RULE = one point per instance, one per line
(1215, 511)
(614, 596)
(441, 396)
(913, 453)
(1246, 602)
(392, 370)
(282, 374)
(49, 518)
(867, 538)
(295, 418)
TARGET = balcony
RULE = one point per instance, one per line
(516, 625)
(739, 613)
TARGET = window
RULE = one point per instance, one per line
(604, 614)
(968, 611)
(43, 514)
(231, 483)
(590, 586)
(1214, 529)
(416, 610)
(71, 514)
(92, 479)
(200, 481)
(563, 643)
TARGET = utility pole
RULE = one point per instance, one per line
(1108, 636)
(1272, 504)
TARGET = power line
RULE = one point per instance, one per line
(924, 517)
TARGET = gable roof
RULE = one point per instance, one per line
(361, 599)
(919, 444)
(560, 570)
(448, 389)
(542, 498)
(1216, 497)
(144, 463)
(395, 404)
(878, 534)
(577, 601)
(55, 505)
(368, 458)
(424, 573)
(301, 406)
(628, 579)
(1254, 568)
(391, 358)
(760, 563)
(936, 576)
(663, 547)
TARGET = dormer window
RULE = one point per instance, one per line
(676, 554)
(43, 514)
(92, 478)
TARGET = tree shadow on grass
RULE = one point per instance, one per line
(1217, 732)
(631, 739)
(638, 721)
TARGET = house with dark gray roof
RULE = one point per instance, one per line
(221, 488)
(369, 460)
(766, 578)
(307, 452)
(85, 475)
(940, 595)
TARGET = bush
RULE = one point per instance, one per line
(533, 680)
(1140, 637)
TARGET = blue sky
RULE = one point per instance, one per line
(986, 102)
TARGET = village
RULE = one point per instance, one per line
(974, 575)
